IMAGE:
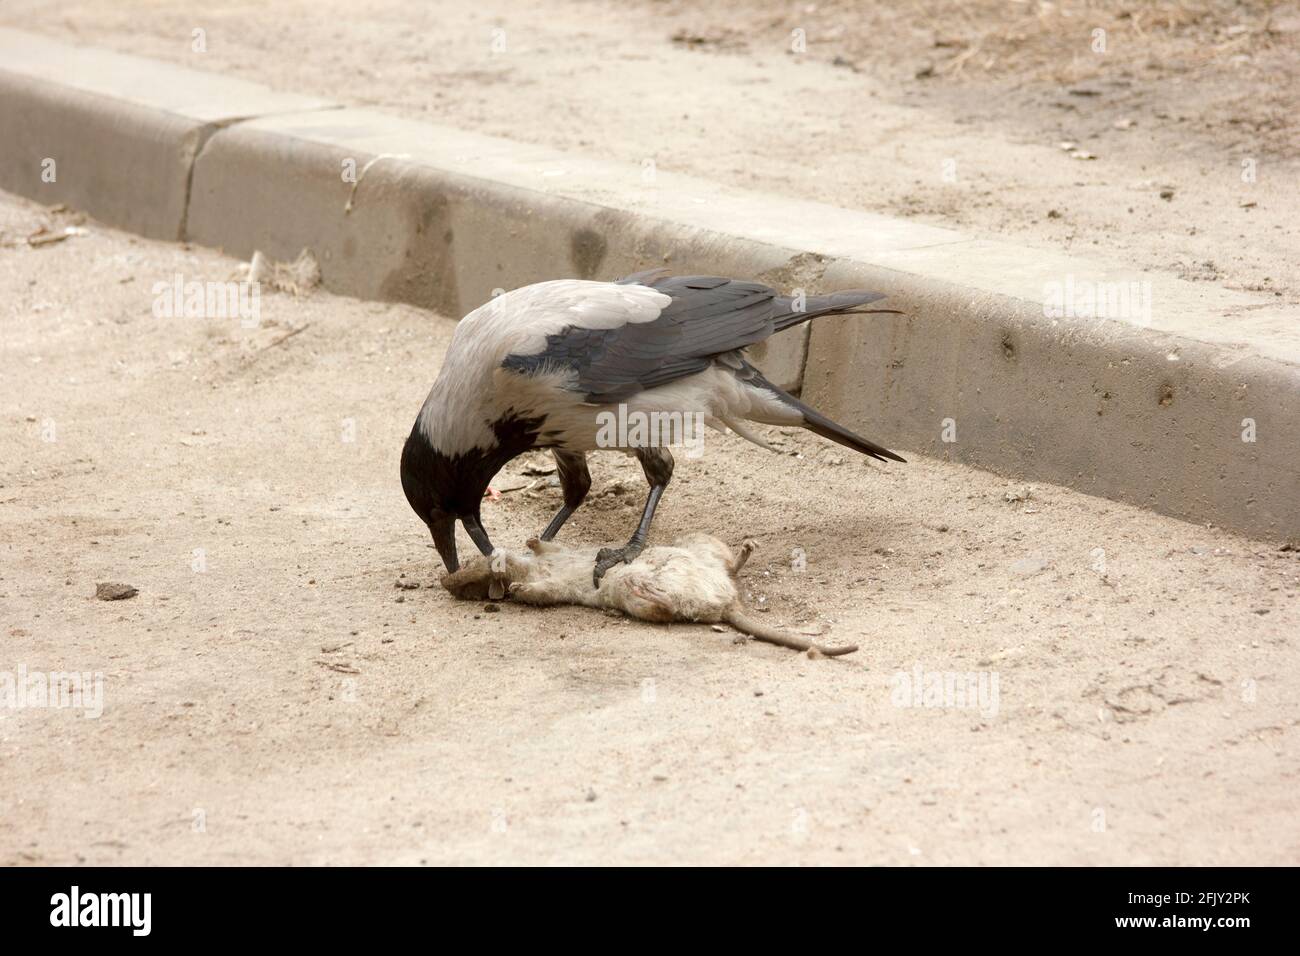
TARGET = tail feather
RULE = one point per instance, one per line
(819, 424)
(787, 315)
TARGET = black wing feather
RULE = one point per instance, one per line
(708, 316)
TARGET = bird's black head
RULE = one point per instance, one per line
(442, 489)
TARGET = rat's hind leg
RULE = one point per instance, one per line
(575, 480)
(747, 547)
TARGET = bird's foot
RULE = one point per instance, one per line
(607, 558)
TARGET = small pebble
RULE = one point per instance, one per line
(109, 591)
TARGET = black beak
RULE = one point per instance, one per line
(443, 527)
(496, 586)
(476, 533)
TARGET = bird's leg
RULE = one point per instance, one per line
(658, 465)
(575, 480)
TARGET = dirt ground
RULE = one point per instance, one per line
(272, 696)
(954, 113)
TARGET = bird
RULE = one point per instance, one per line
(545, 366)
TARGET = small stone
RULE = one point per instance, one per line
(109, 591)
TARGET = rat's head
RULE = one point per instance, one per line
(475, 581)
(489, 577)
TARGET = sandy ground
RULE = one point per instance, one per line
(951, 113)
(270, 695)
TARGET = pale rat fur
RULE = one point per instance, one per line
(691, 580)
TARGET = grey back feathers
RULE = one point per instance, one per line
(706, 317)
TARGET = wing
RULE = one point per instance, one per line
(707, 316)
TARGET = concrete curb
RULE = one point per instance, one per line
(1184, 399)
(114, 135)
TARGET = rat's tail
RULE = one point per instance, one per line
(747, 625)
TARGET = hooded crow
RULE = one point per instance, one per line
(545, 366)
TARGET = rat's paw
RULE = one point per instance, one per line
(530, 593)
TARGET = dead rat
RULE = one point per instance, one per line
(691, 580)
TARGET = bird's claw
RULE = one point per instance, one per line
(607, 558)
